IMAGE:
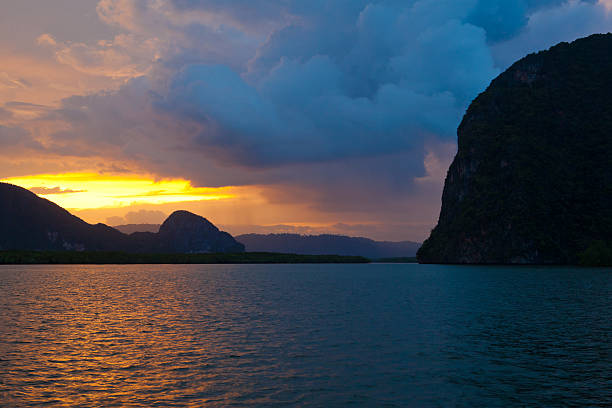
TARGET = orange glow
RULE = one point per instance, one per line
(90, 190)
(47, 81)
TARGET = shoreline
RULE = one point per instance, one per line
(124, 258)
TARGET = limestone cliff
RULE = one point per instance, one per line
(532, 178)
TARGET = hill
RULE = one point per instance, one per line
(28, 222)
(532, 178)
(327, 244)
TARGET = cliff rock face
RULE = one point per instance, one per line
(28, 222)
(532, 178)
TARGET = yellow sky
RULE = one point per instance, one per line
(109, 198)
(80, 191)
(101, 198)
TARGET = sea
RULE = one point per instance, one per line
(373, 335)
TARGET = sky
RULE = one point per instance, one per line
(262, 116)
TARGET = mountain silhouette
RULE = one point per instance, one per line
(327, 244)
(28, 222)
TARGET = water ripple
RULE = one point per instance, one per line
(304, 335)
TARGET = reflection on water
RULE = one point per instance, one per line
(307, 335)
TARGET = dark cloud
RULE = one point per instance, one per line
(547, 27)
(345, 80)
(11, 136)
(321, 92)
(5, 114)
(503, 19)
(336, 103)
(15, 140)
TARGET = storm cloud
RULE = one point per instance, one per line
(342, 102)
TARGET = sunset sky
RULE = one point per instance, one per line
(261, 115)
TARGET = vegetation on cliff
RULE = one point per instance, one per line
(599, 253)
(532, 178)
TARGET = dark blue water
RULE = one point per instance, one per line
(305, 335)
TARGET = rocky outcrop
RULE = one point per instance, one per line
(532, 178)
(185, 232)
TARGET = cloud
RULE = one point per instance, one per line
(113, 221)
(124, 56)
(360, 81)
(11, 136)
(347, 105)
(375, 79)
(144, 216)
(138, 217)
(46, 39)
(11, 82)
(5, 114)
(325, 102)
(547, 27)
(16, 140)
(53, 190)
(26, 110)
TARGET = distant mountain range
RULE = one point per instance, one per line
(327, 244)
(28, 222)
